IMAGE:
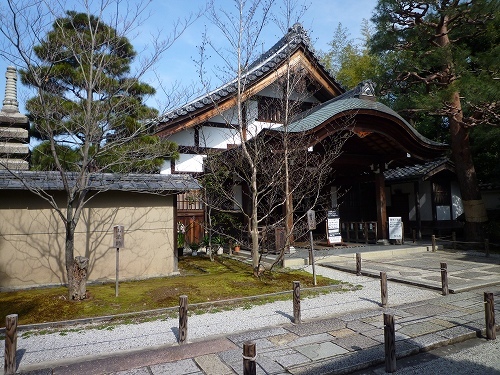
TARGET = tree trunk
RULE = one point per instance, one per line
(78, 286)
(76, 268)
(474, 209)
(475, 212)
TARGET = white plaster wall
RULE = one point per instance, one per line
(166, 167)
(189, 163)
(218, 137)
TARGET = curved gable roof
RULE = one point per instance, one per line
(296, 39)
(371, 119)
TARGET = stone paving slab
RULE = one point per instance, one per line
(186, 366)
(321, 350)
(317, 326)
(211, 364)
(356, 342)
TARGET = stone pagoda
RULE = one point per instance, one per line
(14, 137)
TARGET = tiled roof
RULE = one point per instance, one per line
(46, 180)
(265, 64)
(348, 101)
(415, 171)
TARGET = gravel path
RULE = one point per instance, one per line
(95, 342)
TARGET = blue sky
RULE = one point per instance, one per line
(177, 65)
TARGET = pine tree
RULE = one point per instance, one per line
(442, 60)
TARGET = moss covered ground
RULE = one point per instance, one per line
(200, 279)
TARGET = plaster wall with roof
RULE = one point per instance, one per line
(32, 233)
(32, 238)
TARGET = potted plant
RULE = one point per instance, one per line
(237, 247)
(194, 247)
(219, 243)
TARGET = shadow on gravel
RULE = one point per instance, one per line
(288, 316)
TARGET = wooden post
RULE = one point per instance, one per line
(454, 240)
(117, 270)
(10, 344)
(249, 356)
(358, 264)
(444, 279)
(390, 343)
(296, 302)
(433, 243)
(311, 257)
(383, 288)
(183, 319)
(487, 246)
(489, 314)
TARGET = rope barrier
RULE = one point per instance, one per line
(249, 358)
(442, 239)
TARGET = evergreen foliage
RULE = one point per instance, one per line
(89, 107)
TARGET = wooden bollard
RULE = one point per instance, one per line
(444, 279)
(390, 343)
(383, 288)
(433, 243)
(10, 344)
(454, 240)
(358, 264)
(249, 356)
(489, 314)
(487, 246)
(183, 319)
(296, 302)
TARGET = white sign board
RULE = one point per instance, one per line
(395, 228)
(311, 220)
(333, 227)
(119, 236)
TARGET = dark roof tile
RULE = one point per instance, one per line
(49, 180)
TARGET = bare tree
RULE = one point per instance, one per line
(87, 103)
(277, 165)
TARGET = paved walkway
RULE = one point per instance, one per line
(336, 344)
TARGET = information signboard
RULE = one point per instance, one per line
(395, 228)
(333, 227)
(119, 236)
(311, 220)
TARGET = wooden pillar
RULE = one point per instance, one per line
(390, 343)
(381, 205)
(10, 344)
(296, 302)
(489, 313)
(183, 319)
(383, 288)
(249, 356)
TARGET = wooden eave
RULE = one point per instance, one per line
(328, 87)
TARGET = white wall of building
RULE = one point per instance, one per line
(214, 137)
